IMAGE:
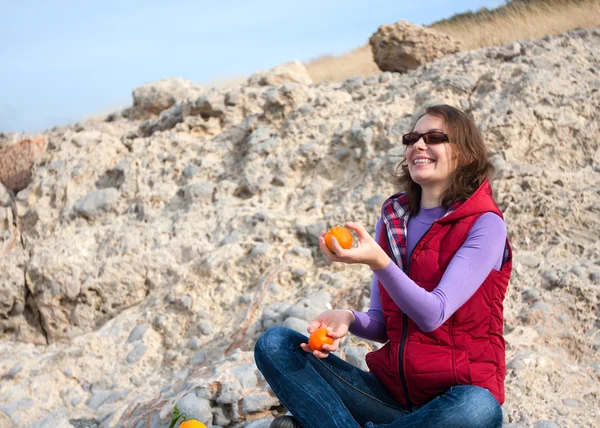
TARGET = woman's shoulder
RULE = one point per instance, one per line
(490, 224)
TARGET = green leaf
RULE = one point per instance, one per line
(175, 417)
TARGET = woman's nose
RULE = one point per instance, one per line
(420, 144)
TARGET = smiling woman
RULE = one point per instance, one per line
(441, 264)
(448, 164)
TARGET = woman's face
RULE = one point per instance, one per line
(430, 165)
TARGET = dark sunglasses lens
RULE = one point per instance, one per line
(411, 138)
(434, 137)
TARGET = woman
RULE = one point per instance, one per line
(441, 264)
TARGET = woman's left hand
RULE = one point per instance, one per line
(367, 251)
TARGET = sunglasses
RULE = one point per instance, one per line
(432, 137)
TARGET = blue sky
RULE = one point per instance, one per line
(62, 61)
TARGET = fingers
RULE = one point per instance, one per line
(358, 228)
(339, 251)
(313, 326)
(333, 347)
(336, 334)
(325, 249)
(318, 354)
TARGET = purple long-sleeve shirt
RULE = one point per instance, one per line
(482, 251)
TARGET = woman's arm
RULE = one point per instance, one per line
(481, 252)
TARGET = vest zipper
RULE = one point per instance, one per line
(405, 327)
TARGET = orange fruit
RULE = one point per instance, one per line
(192, 423)
(318, 338)
(343, 236)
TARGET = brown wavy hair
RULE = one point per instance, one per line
(472, 164)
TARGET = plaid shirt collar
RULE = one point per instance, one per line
(395, 213)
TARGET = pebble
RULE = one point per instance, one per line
(529, 260)
(545, 424)
(550, 280)
(296, 324)
(206, 327)
(190, 170)
(258, 402)
(571, 402)
(137, 333)
(137, 353)
(185, 303)
(355, 355)
(578, 270)
(14, 371)
(195, 407)
(198, 358)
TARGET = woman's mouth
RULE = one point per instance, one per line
(422, 161)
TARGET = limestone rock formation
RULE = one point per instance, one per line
(153, 97)
(404, 46)
(144, 259)
(294, 72)
(16, 161)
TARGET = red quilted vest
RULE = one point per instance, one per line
(468, 349)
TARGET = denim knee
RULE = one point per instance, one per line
(486, 411)
(274, 341)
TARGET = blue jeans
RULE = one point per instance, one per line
(330, 392)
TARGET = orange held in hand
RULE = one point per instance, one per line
(318, 338)
(342, 235)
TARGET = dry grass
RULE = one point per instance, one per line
(358, 62)
(517, 22)
(523, 22)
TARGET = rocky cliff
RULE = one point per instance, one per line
(151, 249)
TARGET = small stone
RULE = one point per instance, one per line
(206, 327)
(185, 302)
(261, 249)
(578, 270)
(529, 260)
(198, 358)
(530, 294)
(196, 408)
(570, 402)
(160, 321)
(12, 373)
(550, 280)
(98, 399)
(355, 355)
(97, 202)
(542, 306)
(199, 192)
(595, 277)
(246, 375)
(296, 324)
(545, 424)
(190, 170)
(232, 98)
(299, 273)
(137, 353)
(229, 393)
(258, 403)
(137, 333)
(221, 418)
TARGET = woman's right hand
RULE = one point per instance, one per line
(337, 322)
